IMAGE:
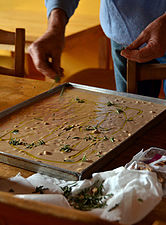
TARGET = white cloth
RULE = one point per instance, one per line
(135, 193)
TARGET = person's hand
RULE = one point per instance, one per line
(46, 51)
(154, 36)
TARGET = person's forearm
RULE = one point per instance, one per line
(46, 50)
(57, 20)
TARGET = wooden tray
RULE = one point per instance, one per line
(102, 95)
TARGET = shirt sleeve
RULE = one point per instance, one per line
(68, 6)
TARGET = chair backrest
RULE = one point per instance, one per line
(17, 39)
(139, 72)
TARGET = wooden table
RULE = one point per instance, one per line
(15, 90)
(31, 15)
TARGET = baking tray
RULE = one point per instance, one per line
(99, 164)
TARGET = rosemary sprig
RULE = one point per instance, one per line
(62, 91)
(69, 127)
(119, 111)
(15, 142)
(129, 119)
(105, 138)
(84, 159)
(110, 103)
(89, 198)
(40, 189)
(112, 139)
(90, 128)
(76, 138)
(66, 148)
(99, 154)
(80, 100)
(15, 131)
(90, 138)
(114, 207)
(57, 79)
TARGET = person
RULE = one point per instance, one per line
(137, 30)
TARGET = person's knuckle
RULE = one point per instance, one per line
(33, 48)
(38, 65)
(139, 57)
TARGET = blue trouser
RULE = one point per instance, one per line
(147, 88)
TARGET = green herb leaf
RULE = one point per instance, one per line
(129, 119)
(84, 158)
(69, 127)
(57, 79)
(66, 148)
(90, 128)
(99, 154)
(119, 111)
(41, 142)
(89, 198)
(76, 138)
(14, 141)
(105, 138)
(62, 91)
(40, 189)
(15, 131)
(114, 207)
(112, 139)
(110, 103)
(67, 191)
(80, 100)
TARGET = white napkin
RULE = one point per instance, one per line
(135, 193)
(56, 199)
(153, 159)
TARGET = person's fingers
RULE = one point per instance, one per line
(142, 55)
(136, 55)
(42, 64)
(141, 39)
(55, 64)
(133, 52)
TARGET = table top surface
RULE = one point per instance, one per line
(31, 15)
(15, 90)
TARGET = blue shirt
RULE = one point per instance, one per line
(121, 20)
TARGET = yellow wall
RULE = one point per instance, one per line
(31, 15)
(80, 52)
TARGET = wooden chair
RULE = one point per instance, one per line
(17, 39)
(139, 72)
(96, 77)
(103, 76)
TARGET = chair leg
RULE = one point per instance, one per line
(131, 77)
(19, 53)
(104, 53)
